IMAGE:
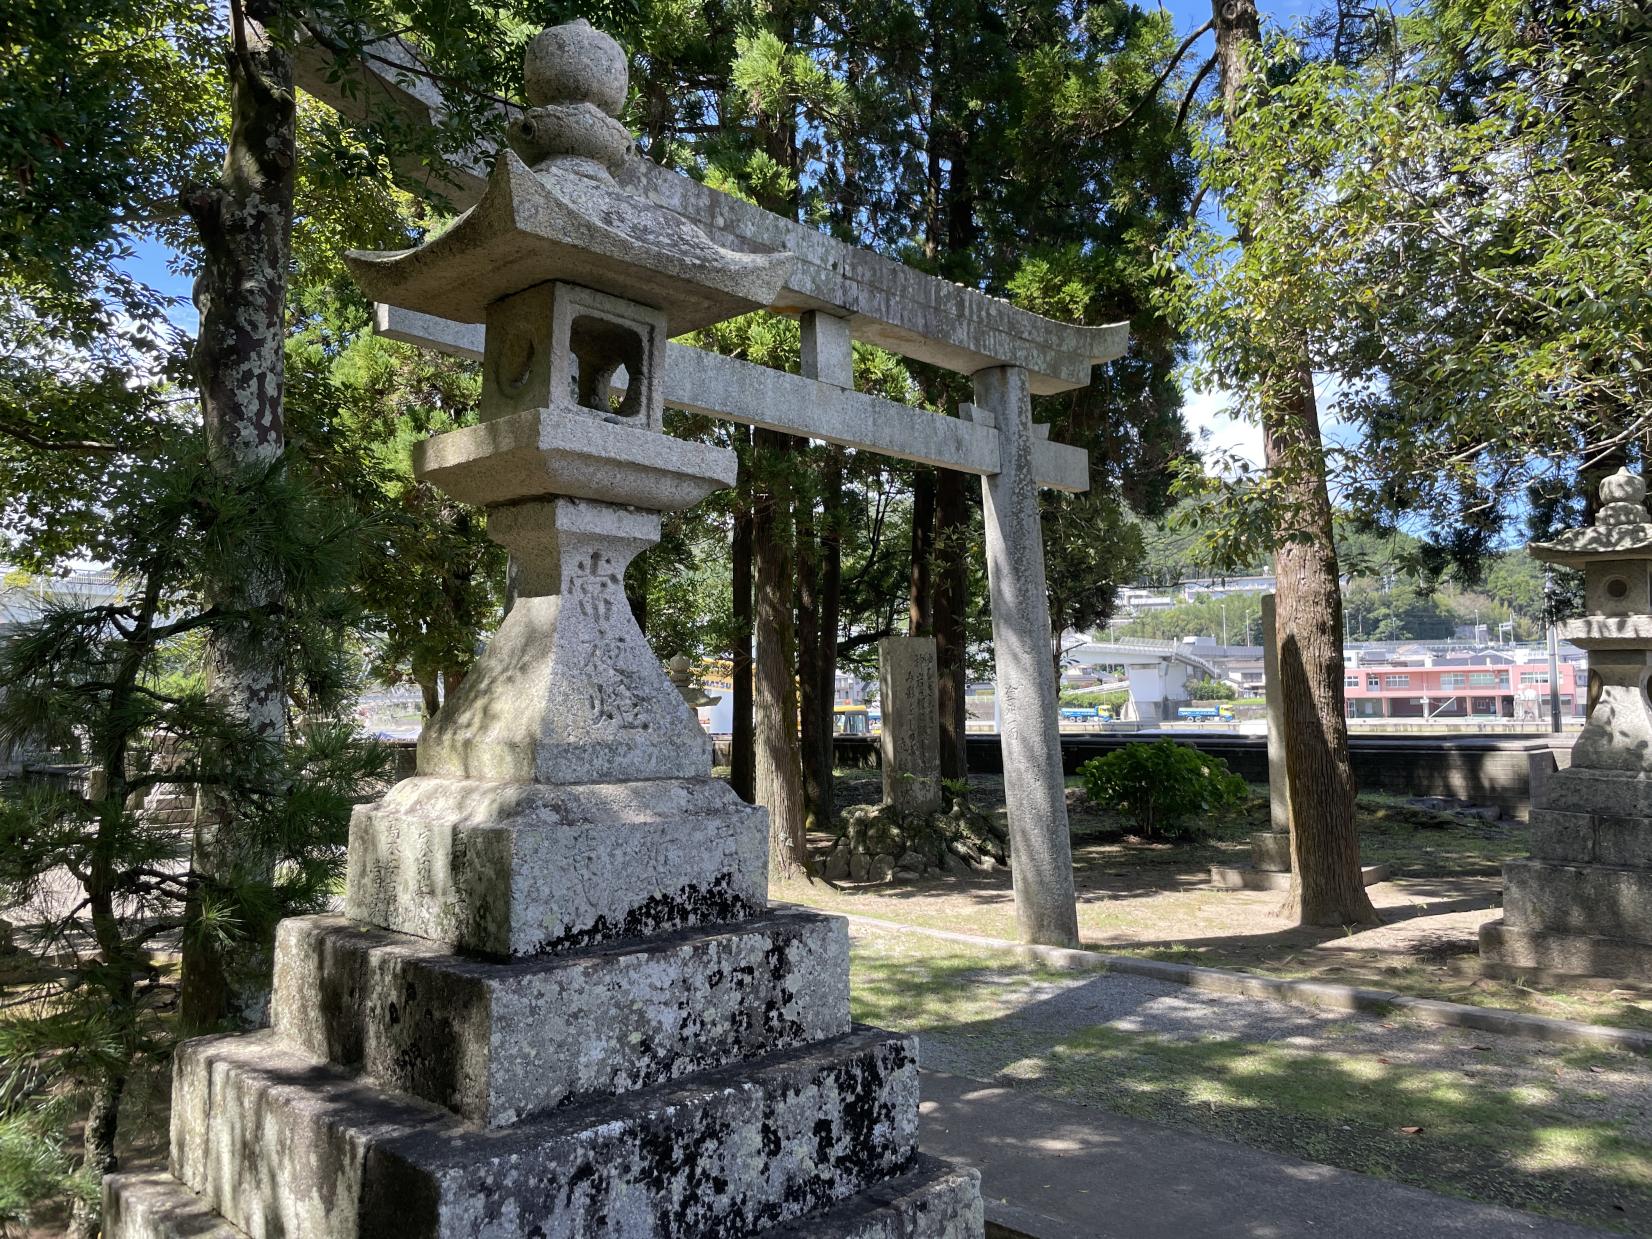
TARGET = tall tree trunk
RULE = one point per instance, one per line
(1325, 872)
(779, 763)
(1326, 883)
(108, 791)
(815, 732)
(819, 609)
(742, 740)
(920, 597)
(430, 694)
(245, 224)
(779, 768)
(831, 612)
(951, 611)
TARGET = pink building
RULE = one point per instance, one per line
(1430, 687)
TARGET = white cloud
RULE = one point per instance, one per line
(1216, 432)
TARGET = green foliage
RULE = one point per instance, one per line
(433, 585)
(1210, 690)
(1090, 545)
(1240, 615)
(1113, 699)
(1162, 785)
(120, 682)
(1458, 228)
(34, 1164)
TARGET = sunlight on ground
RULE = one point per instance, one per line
(1154, 899)
(1522, 1124)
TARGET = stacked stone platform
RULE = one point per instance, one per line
(699, 1079)
(1581, 904)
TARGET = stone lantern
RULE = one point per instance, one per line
(558, 1003)
(1582, 904)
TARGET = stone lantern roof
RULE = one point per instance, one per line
(1622, 528)
(553, 212)
(1615, 556)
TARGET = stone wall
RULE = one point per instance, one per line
(1482, 770)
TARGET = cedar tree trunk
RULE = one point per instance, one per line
(742, 739)
(952, 517)
(779, 767)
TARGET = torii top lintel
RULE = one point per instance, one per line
(906, 311)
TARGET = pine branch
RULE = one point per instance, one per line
(1193, 90)
(30, 437)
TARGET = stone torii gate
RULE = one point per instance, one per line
(842, 293)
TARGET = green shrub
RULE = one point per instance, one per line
(1162, 785)
(1210, 690)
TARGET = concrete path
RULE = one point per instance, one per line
(1050, 1170)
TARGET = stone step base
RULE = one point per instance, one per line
(497, 1042)
(521, 869)
(1591, 838)
(283, 1146)
(932, 1200)
(1618, 793)
(1511, 951)
(157, 1206)
(1250, 878)
(1607, 901)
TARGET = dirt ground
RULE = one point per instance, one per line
(1138, 896)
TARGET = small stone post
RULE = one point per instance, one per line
(911, 738)
(1271, 849)
(1035, 789)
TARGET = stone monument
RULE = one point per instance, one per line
(910, 741)
(558, 1004)
(1582, 903)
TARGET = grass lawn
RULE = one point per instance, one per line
(1559, 1131)
(1155, 899)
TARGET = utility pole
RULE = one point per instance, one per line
(1554, 651)
(1554, 679)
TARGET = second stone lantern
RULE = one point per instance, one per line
(1582, 904)
(559, 1004)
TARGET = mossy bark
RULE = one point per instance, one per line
(244, 220)
(779, 766)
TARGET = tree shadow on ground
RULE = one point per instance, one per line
(1535, 1146)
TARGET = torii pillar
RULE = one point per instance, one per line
(1035, 788)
